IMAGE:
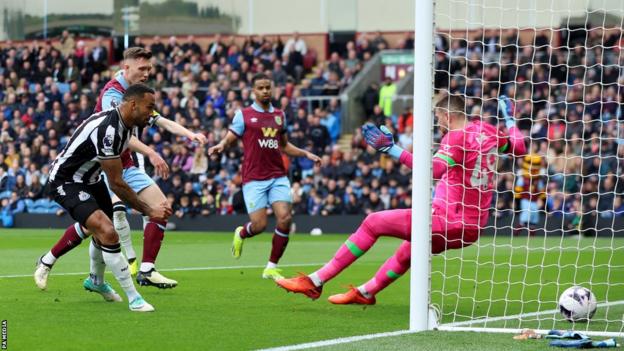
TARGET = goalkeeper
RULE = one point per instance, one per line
(464, 166)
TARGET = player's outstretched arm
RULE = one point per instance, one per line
(293, 151)
(113, 168)
(235, 131)
(516, 142)
(160, 166)
(382, 141)
(175, 128)
(230, 137)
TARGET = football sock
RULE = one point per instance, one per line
(246, 232)
(392, 269)
(119, 266)
(363, 291)
(48, 259)
(120, 221)
(357, 245)
(97, 264)
(315, 279)
(71, 238)
(152, 239)
(146, 267)
(280, 241)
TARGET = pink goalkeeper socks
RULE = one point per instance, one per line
(357, 244)
(392, 269)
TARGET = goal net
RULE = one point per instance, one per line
(557, 216)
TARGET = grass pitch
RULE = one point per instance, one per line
(223, 304)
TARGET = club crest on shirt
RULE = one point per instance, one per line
(254, 120)
(83, 196)
(278, 120)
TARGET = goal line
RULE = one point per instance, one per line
(469, 325)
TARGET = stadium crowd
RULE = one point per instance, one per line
(567, 99)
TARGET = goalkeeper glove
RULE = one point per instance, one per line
(506, 107)
(565, 334)
(381, 140)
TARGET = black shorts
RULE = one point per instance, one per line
(81, 200)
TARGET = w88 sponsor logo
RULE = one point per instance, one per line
(268, 143)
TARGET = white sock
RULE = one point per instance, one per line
(315, 279)
(48, 258)
(123, 229)
(146, 266)
(97, 264)
(119, 266)
(271, 265)
(363, 291)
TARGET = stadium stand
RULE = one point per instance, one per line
(47, 90)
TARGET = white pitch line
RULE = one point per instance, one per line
(337, 341)
(213, 268)
(458, 326)
(520, 315)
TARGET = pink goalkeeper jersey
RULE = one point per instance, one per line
(466, 189)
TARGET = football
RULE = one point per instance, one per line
(577, 304)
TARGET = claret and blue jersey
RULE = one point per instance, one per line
(264, 174)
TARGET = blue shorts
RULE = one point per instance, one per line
(259, 194)
(136, 179)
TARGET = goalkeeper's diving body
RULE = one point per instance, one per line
(464, 166)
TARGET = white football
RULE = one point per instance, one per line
(316, 231)
(577, 304)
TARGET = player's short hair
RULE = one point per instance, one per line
(452, 103)
(136, 52)
(137, 91)
(257, 77)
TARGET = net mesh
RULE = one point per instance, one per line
(557, 215)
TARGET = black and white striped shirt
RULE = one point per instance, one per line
(102, 136)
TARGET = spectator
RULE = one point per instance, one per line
(315, 204)
(157, 47)
(13, 205)
(296, 48)
(331, 123)
(99, 56)
(279, 75)
(331, 206)
(67, 43)
(319, 135)
(318, 83)
(386, 93)
(377, 117)
(184, 208)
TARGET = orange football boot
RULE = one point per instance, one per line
(301, 285)
(352, 297)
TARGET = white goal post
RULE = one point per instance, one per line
(557, 217)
